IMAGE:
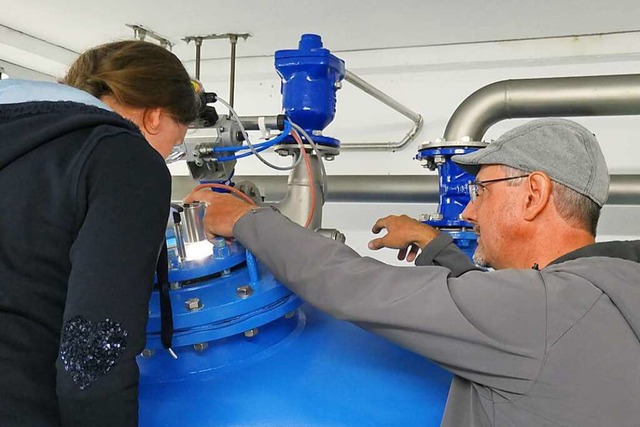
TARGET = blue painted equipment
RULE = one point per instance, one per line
(454, 194)
(248, 353)
(307, 370)
(310, 77)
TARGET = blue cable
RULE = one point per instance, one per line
(239, 148)
(239, 156)
(266, 144)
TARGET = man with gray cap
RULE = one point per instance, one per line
(550, 338)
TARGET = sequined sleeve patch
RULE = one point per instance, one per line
(89, 350)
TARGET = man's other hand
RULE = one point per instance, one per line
(403, 233)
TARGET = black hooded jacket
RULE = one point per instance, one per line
(82, 215)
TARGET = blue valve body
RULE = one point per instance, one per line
(310, 76)
(454, 196)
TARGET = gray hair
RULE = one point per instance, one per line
(572, 206)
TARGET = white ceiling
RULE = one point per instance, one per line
(345, 25)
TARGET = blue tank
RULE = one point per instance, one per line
(302, 370)
(248, 354)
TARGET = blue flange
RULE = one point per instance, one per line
(466, 241)
(224, 294)
(190, 270)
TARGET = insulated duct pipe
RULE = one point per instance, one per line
(613, 95)
(624, 189)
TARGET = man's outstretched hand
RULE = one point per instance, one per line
(403, 233)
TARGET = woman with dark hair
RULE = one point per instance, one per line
(85, 199)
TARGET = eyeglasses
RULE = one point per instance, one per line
(474, 188)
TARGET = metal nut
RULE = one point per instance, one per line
(251, 333)
(244, 291)
(201, 346)
(193, 304)
(289, 315)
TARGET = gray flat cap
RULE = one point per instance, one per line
(563, 149)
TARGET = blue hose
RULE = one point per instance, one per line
(266, 144)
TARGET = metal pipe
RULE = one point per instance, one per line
(612, 95)
(142, 33)
(295, 203)
(387, 100)
(270, 122)
(232, 78)
(624, 189)
(380, 96)
(198, 42)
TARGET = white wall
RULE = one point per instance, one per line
(433, 81)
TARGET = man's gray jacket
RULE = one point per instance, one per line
(555, 347)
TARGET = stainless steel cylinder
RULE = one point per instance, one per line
(614, 95)
(194, 222)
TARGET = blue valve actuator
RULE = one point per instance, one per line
(310, 76)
